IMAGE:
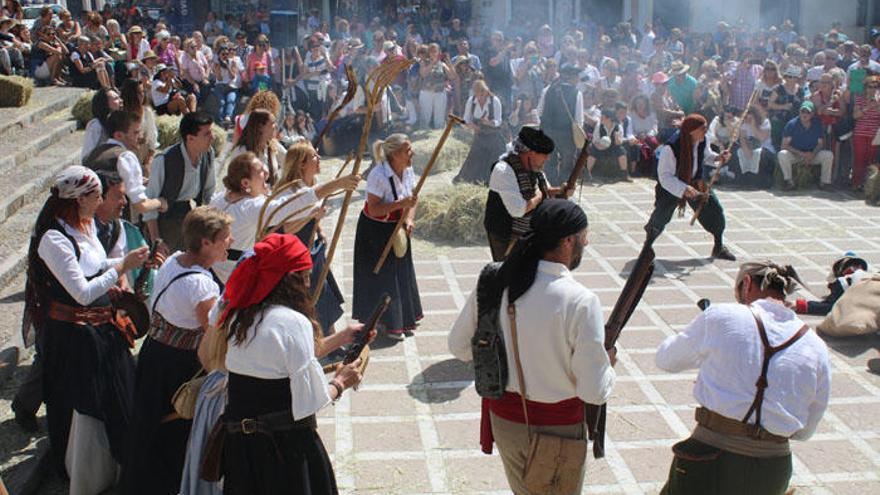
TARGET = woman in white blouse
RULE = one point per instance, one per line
(258, 137)
(303, 163)
(134, 100)
(88, 371)
(246, 194)
(184, 291)
(389, 197)
(276, 384)
(482, 114)
(104, 102)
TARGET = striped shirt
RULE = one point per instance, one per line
(869, 123)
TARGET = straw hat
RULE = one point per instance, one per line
(659, 77)
(678, 68)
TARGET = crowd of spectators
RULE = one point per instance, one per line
(816, 97)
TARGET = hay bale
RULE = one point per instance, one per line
(82, 109)
(451, 157)
(169, 133)
(15, 91)
(453, 214)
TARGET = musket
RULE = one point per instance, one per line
(576, 172)
(629, 298)
(451, 121)
(734, 137)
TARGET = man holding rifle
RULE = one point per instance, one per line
(558, 351)
(680, 174)
(748, 411)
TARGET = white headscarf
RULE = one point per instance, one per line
(76, 181)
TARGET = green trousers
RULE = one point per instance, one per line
(700, 469)
(665, 204)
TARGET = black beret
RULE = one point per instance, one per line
(535, 139)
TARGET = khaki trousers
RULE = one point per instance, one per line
(823, 158)
(512, 440)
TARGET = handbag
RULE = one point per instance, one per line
(184, 399)
(211, 467)
(555, 464)
(400, 243)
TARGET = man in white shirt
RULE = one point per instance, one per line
(553, 341)
(517, 186)
(116, 155)
(561, 108)
(679, 183)
(753, 398)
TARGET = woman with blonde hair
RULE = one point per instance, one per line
(482, 114)
(389, 198)
(302, 163)
(258, 137)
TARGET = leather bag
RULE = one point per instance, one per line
(184, 399)
(555, 464)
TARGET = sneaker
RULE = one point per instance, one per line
(722, 253)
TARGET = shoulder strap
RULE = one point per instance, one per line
(511, 313)
(204, 165)
(393, 187)
(769, 352)
(176, 278)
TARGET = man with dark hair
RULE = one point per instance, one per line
(561, 108)
(748, 412)
(552, 335)
(117, 155)
(182, 175)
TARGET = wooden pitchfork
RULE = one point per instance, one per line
(374, 87)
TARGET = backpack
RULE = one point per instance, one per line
(487, 344)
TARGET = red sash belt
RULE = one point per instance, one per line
(509, 407)
(392, 217)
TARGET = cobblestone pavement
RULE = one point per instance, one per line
(412, 427)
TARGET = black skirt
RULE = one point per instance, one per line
(89, 369)
(397, 278)
(157, 450)
(282, 463)
(329, 305)
(484, 152)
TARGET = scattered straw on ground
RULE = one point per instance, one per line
(453, 214)
(82, 109)
(451, 157)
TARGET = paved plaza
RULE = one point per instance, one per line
(412, 427)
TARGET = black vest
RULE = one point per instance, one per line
(104, 157)
(108, 233)
(175, 169)
(701, 153)
(497, 220)
(559, 107)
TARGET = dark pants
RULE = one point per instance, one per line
(706, 470)
(499, 245)
(561, 161)
(171, 225)
(665, 204)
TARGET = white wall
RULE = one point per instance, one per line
(705, 14)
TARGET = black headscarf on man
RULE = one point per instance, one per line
(552, 221)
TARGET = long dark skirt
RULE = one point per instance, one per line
(89, 369)
(293, 461)
(397, 278)
(484, 152)
(157, 450)
(329, 305)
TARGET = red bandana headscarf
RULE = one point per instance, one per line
(255, 277)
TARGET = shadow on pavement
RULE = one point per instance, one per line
(442, 381)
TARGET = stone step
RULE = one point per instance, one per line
(27, 188)
(22, 145)
(44, 102)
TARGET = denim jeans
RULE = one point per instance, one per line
(227, 97)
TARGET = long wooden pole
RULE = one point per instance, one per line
(450, 121)
(314, 233)
(734, 137)
(379, 79)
